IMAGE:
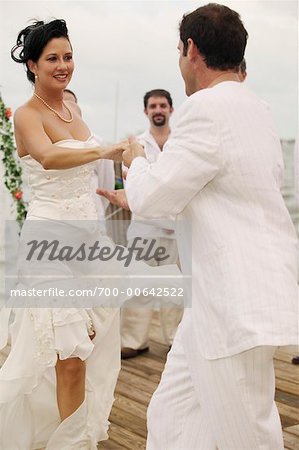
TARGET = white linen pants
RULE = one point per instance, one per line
(224, 404)
(136, 321)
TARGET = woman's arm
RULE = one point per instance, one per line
(30, 135)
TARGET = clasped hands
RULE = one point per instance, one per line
(131, 149)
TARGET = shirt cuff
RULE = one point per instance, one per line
(137, 163)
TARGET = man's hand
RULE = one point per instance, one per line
(117, 197)
(135, 149)
(116, 151)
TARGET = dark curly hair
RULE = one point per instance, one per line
(218, 33)
(32, 40)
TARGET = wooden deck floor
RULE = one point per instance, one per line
(140, 376)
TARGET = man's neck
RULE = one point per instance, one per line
(160, 134)
(227, 76)
(210, 78)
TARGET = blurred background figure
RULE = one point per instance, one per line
(69, 96)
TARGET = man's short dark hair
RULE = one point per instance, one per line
(157, 93)
(218, 33)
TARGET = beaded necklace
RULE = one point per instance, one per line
(54, 110)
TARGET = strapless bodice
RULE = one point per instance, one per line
(61, 194)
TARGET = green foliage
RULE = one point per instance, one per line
(12, 168)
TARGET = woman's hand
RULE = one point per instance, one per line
(115, 151)
(133, 150)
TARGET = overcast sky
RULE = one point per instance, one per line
(124, 48)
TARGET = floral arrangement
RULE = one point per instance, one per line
(12, 168)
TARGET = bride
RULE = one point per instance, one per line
(62, 363)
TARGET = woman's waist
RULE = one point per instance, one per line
(82, 206)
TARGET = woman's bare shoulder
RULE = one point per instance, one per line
(26, 110)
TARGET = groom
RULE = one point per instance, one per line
(221, 170)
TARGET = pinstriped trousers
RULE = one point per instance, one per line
(222, 404)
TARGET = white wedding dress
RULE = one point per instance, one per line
(32, 337)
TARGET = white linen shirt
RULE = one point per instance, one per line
(221, 171)
(139, 226)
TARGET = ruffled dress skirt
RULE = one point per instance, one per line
(33, 337)
(31, 340)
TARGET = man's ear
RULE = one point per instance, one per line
(145, 111)
(192, 51)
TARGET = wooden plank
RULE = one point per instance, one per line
(288, 373)
(146, 361)
(140, 371)
(109, 445)
(131, 406)
(288, 366)
(126, 439)
(137, 382)
(287, 386)
(286, 398)
(290, 441)
(286, 353)
(287, 411)
(135, 394)
(293, 430)
(286, 422)
(129, 422)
